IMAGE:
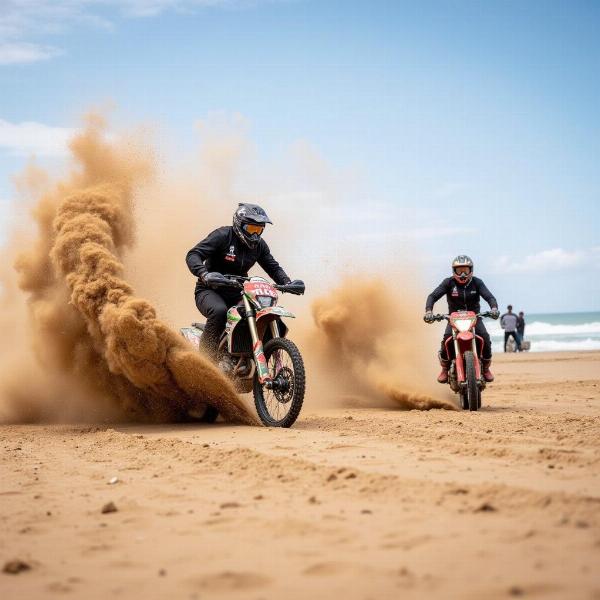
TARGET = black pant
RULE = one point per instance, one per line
(480, 330)
(214, 305)
(515, 336)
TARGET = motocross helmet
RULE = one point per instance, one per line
(249, 221)
(459, 264)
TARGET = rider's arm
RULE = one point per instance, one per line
(270, 265)
(487, 295)
(201, 251)
(439, 291)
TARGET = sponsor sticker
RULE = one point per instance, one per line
(230, 256)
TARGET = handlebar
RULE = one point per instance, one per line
(291, 288)
(229, 281)
(237, 282)
(442, 317)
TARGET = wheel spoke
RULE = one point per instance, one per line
(278, 402)
(279, 405)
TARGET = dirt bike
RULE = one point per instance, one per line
(463, 348)
(255, 353)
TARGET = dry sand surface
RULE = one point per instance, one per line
(350, 503)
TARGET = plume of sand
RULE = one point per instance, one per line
(368, 344)
(91, 335)
(204, 197)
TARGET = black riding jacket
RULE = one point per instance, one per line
(223, 251)
(461, 296)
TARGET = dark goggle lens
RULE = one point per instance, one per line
(250, 228)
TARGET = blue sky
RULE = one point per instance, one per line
(472, 126)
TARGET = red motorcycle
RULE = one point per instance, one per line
(463, 348)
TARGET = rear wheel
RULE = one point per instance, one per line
(472, 391)
(281, 405)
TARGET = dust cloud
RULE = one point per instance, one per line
(369, 345)
(88, 348)
(79, 345)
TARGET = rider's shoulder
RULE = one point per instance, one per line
(221, 233)
(263, 246)
(477, 280)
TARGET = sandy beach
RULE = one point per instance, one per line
(354, 503)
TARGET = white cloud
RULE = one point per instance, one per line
(555, 259)
(24, 52)
(21, 20)
(151, 8)
(23, 139)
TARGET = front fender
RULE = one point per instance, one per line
(277, 311)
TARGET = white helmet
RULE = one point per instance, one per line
(462, 260)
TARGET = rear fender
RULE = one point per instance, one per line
(192, 335)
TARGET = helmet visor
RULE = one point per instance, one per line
(251, 228)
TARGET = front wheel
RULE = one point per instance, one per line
(281, 405)
(472, 391)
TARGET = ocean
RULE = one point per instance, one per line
(554, 332)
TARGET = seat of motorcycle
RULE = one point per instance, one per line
(199, 326)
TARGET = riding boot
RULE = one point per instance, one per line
(487, 374)
(443, 376)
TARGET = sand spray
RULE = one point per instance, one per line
(79, 344)
(93, 339)
(369, 342)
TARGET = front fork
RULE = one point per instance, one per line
(262, 369)
(475, 356)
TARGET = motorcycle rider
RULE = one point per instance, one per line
(229, 250)
(463, 292)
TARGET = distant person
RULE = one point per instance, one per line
(463, 292)
(508, 322)
(521, 325)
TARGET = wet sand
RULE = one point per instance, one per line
(358, 503)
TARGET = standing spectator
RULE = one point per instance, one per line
(508, 322)
(521, 325)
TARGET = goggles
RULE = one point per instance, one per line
(252, 228)
(464, 270)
